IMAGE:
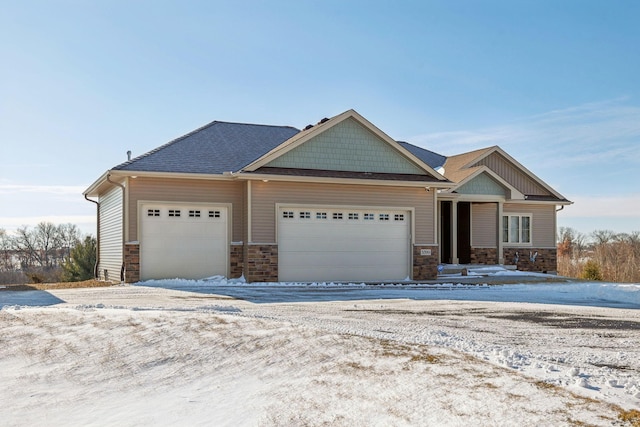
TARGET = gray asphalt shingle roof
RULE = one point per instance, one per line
(220, 147)
(215, 148)
(429, 157)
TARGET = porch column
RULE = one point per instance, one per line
(500, 244)
(454, 232)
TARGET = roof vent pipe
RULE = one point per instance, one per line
(129, 155)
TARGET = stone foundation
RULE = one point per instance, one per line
(545, 262)
(261, 263)
(425, 267)
(236, 261)
(484, 256)
(131, 262)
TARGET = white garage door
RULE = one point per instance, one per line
(184, 241)
(343, 244)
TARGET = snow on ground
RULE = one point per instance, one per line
(142, 355)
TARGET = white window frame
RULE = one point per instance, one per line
(507, 226)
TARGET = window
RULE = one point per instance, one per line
(287, 214)
(516, 229)
(214, 214)
(337, 215)
(383, 217)
(174, 212)
(194, 214)
(398, 217)
(353, 216)
(153, 212)
(305, 215)
(369, 217)
(321, 215)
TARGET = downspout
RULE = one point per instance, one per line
(556, 224)
(123, 222)
(95, 267)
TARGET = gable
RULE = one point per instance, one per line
(513, 175)
(347, 146)
(483, 184)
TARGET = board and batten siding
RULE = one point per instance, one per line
(513, 175)
(484, 225)
(543, 222)
(111, 205)
(265, 196)
(187, 191)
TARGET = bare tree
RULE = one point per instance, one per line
(6, 251)
(616, 256)
(47, 240)
(68, 237)
(26, 247)
(571, 243)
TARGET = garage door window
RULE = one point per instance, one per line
(174, 212)
(354, 216)
(383, 217)
(194, 214)
(153, 212)
(321, 215)
(305, 215)
(214, 214)
(398, 217)
(287, 214)
(337, 215)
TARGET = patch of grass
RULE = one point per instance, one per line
(630, 418)
(394, 349)
(427, 358)
(514, 396)
(61, 285)
(577, 423)
(357, 366)
(489, 386)
(545, 385)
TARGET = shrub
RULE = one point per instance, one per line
(82, 261)
(591, 271)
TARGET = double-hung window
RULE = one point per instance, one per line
(516, 229)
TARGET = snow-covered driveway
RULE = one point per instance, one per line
(135, 355)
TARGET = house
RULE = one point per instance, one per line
(337, 201)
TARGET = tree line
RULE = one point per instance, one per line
(51, 253)
(46, 253)
(601, 255)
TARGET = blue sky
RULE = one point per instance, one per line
(554, 83)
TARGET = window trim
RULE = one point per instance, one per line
(506, 227)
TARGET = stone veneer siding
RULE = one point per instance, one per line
(425, 267)
(132, 262)
(236, 261)
(485, 256)
(545, 262)
(261, 263)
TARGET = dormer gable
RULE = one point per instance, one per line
(482, 181)
(505, 167)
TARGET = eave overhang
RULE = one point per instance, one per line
(353, 180)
